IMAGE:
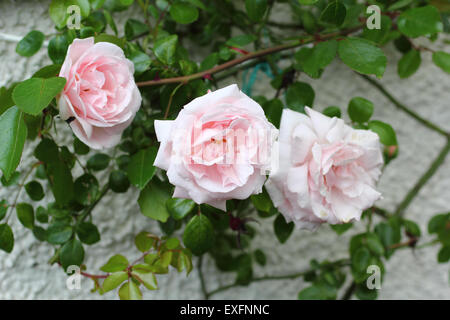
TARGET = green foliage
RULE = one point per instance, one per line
(140, 168)
(198, 235)
(334, 13)
(33, 95)
(422, 21)
(282, 229)
(179, 208)
(442, 60)
(256, 9)
(409, 63)
(360, 110)
(183, 12)
(152, 201)
(30, 44)
(13, 133)
(6, 238)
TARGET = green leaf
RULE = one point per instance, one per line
(172, 243)
(118, 181)
(262, 201)
(115, 263)
(273, 110)
(103, 37)
(374, 244)
(385, 132)
(334, 13)
(114, 280)
(148, 279)
(152, 202)
(210, 61)
(183, 12)
(135, 28)
(41, 215)
(88, 233)
(256, 9)
(179, 208)
(58, 11)
(3, 208)
(72, 253)
(283, 230)
(34, 190)
(141, 169)
(59, 233)
(421, 21)
(6, 100)
(165, 49)
(360, 110)
(6, 238)
(444, 254)
(197, 3)
(319, 291)
(199, 235)
(143, 241)
(379, 36)
(341, 228)
(442, 60)
(399, 4)
(30, 44)
(57, 48)
(110, 21)
(25, 213)
(98, 162)
(33, 95)
(241, 40)
(13, 132)
(86, 189)
(360, 259)
(130, 291)
(62, 184)
(307, 2)
(364, 293)
(438, 222)
(409, 64)
(49, 71)
(140, 60)
(412, 228)
(260, 257)
(299, 95)
(79, 147)
(362, 56)
(312, 61)
(332, 111)
(40, 233)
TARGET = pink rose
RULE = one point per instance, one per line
(100, 98)
(217, 148)
(327, 170)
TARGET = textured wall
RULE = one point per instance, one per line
(25, 274)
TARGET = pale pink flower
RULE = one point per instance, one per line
(100, 98)
(327, 170)
(217, 148)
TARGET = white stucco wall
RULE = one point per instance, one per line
(25, 274)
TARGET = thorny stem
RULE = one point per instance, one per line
(250, 56)
(404, 108)
(21, 185)
(423, 179)
(339, 263)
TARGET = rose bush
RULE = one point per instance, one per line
(198, 153)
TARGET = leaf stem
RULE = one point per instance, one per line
(250, 56)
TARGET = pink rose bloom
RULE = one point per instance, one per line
(217, 148)
(327, 170)
(100, 98)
